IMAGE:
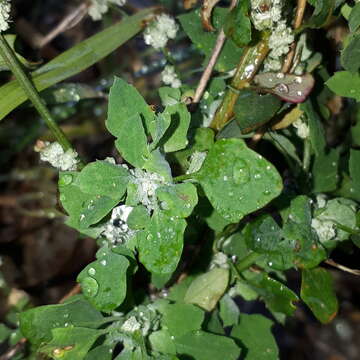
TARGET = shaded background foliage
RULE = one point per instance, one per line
(40, 256)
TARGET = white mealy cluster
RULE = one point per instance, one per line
(54, 154)
(302, 128)
(117, 230)
(325, 229)
(98, 8)
(264, 13)
(196, 160)
(170, 77)
(160, 31)
(5, 8)
(131, 325)
(219, 260)
(146, 183)
(280, 39)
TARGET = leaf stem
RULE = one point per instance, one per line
(307, 155)
(247, 261)
(247, 68)
(184, 177)
(13, 63)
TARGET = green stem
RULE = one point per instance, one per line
(183, 177)
(246, 262)
(307, 155)
(13, 63)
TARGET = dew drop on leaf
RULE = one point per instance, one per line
(241, 173)
(91, 271)
(66, 179)
(90, 286)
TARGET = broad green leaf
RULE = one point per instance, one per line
(237, 180)
(354, 18)
(74, 60)
(177, 200)
(325, 171)
(344, 83)
(229, 311)
(132, 142)
(322, 13)
(207, 289)
(254, 333)
(317, 136)
(277, 297)
(102, 352)
(70, 343)
(253, 110)
(160, 280)
(317, 291)
(237, 25)
(350, 56)
(156, 163)
(103, 178)
(201, 345)
(36, 324)
(354, 169)
(4, 333)
(169, 95)
(205, 41)
(160, 246)
(138, 218)
(182, 318)
(162, 341)
(175, 137)
(104, 281)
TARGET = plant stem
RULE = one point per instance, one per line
(13, 63)
(184, 177)
(247, 68)
(246, 262)
(307, 155)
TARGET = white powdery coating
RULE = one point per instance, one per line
(55, 155)
(264, 13)
(324, 229)
(170, 77)
(280, 39)
(117, 230)
(219, 260)
(5, 8)
(321, 200)
(302, 129)
(99, 7)
(196, 160)
(147, 183)
(131, 325)
(160, 31)
(272, 65)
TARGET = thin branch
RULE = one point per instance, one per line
(14, 350)
(300, 10)
(205, 77)
(342, 267)
(73, 291)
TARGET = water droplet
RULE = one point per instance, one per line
(257, 176)
(62, 197)
(266, 192)
(225, 178)
(91, 271)
(241, 172)
(299, 93)
(82, 217)
(66, 179)
(298, 80)
(58, 353)
(258, 239)
(282, 88)
(66, 315)
(90, 286)
(280, 75)
(270, 263)
(268, 167)
(103, 262)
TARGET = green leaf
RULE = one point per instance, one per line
(350, 56)
(157, 163)
(325, 171)
(317, 291)
(70, 343)
(354, 18)
(36, 324)
(169, 95)
(237, 180)
(103, 352)
(104, 281)
(354, 169)
(180, 319)
(238, 25)
(103, 178)
(207, 289)
(162, 342)
(345, 83)
(138, 218)
(74, 60)
(175, 137)
(254, 333)
(253, 110)
(205, 41)
(160, 245)
(132, 141)
(229, 311)
(322, 13)
(204, 346)
(177, 200)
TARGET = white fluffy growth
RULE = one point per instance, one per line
(170, 77)
(324, 229)
(302, 129)
(5, 8)
(131, 325)
(264, 13)
(146, 183)
(117, 230)
(196, 160)
(219, 260)
(57, 157)
(160, 31)
(280, 39)
(98, 8)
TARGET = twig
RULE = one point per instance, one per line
(75, 290)
(69, 21)
(300, 10)
(342, 267)
(205, 77)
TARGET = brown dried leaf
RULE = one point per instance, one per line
(206, 11)
(189, 4)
